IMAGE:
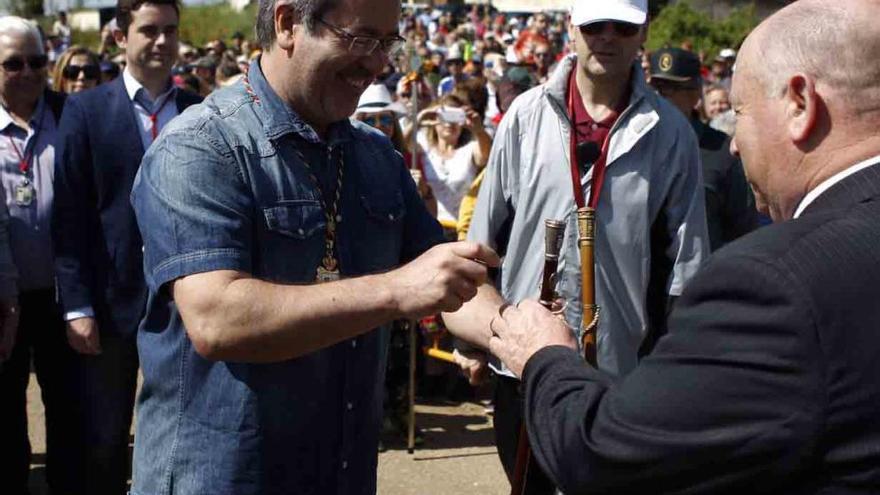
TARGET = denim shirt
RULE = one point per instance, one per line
(224, 189)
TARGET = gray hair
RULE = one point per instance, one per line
(837, 44)
(308, 11)
(11, 25)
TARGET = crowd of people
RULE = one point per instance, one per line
(245, 221)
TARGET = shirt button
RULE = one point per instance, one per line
(301, 232)
(338, 218)
(595, 127)
(344, 464)
(391, 216)
(349, 406)
(354, 344)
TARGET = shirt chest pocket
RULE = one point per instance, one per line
(378, 239)
(293, 242)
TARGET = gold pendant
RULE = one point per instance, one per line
(328, 271)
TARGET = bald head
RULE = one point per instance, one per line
(835, 42)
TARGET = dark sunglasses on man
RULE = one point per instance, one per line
(381, 120)
(623, 29)
(90, 71)
(16, 64)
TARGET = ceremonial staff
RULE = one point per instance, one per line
(582, 155)
(554, 236)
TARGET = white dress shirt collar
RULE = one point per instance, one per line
(132, 86)
(831, 181)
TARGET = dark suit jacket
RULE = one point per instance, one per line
(767, 382)
(98, 248)
(730, 205)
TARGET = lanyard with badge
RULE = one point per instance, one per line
(25, 193)
(328, 270)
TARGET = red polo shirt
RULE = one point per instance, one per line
(586, 128)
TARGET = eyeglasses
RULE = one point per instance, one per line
(366, 45)
(16, 64)
(378, 120)
(90, 71)
(624, 29)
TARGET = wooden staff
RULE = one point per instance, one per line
(554, 235)
(586, 222)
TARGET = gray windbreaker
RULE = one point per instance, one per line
(653, 175)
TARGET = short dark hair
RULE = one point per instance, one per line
(124, 8)
(309, 11)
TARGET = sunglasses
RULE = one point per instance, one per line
(16, 64)
(383, 120)
(90, 71)
(624, 29)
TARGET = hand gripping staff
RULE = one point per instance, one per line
(581, 156)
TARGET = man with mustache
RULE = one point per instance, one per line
(769, 379)
(103, 135)
(651, 226)
(273, 230)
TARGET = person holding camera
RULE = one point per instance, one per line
(457, 147)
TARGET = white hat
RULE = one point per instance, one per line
(376, 99)
(588, 11)
(727, 53)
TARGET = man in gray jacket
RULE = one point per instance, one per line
(651, 219)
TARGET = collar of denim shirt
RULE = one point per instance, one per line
(279, 119)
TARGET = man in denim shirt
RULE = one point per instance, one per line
(272, 226)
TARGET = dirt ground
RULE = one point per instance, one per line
(457, 457)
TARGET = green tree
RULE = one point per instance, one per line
(680, 23)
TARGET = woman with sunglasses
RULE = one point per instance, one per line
(376, 109)
(457, 147)
(78, 69)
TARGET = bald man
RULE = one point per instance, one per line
(769, 378)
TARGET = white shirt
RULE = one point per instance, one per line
(831, 181)
(450, 178)
(165, 104)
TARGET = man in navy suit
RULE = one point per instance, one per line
(104, 133)
(769, 378)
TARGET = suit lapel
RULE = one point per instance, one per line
(123, 116)
(858, 187)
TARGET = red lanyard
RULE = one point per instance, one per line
(154, 117)
(598, 178)
(24, 162)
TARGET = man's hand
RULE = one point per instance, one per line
(473, 366)
(442, 279)
(83, 337)
(521, 331)
(9, 313)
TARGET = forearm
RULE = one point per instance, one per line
(471, 322)
(257, 321)
(484, 147)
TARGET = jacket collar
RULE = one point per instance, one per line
(279, 119)
(856, 188)
(640, 116)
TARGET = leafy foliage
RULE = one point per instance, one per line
(680, 23)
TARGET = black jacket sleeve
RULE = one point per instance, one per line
(73, 215)
(730, 397)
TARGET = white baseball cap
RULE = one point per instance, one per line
(589, 11)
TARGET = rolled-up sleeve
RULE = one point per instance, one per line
(193, 208)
